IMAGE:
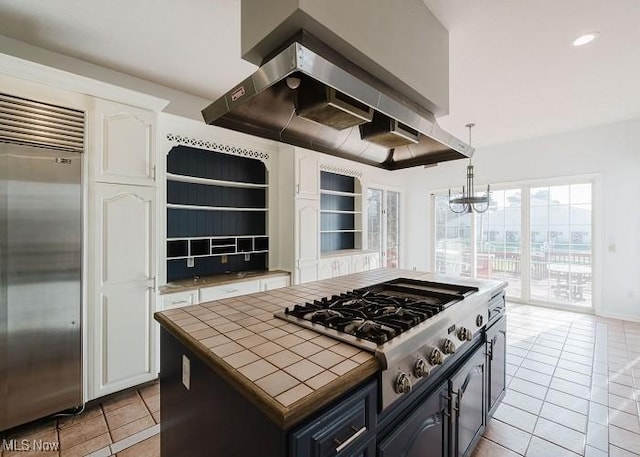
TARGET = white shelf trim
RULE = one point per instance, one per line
(337, 192)
(335, 211)
(214, 182)
(217, 237)
(340, 231)
(218, 255)
(213, 208)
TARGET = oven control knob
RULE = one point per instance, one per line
(448, 347)
(435, 358)
(479, 320)
(464, 334)
(402, 384)
(420, 368)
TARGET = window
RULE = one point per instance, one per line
(383, 225)
(553, 265)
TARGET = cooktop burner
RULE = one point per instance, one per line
(383, 311)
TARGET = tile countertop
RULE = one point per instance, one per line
(183, 285)
(286, 370)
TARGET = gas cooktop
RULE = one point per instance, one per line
(381, 312)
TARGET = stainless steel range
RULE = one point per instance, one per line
(413, 327)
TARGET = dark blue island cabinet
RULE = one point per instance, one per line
(213, 419)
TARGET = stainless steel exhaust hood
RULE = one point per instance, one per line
(309, 96)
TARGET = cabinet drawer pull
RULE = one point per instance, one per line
(231, 291)
(351, 439)
(180, 302)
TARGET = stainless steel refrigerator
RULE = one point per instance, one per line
(40, 276)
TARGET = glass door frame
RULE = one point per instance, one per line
(383, 220)
(525, 188)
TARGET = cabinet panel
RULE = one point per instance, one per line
(125, 332)
(373, 261)
(359, 263)
(306, 272)
(468, 389)
(326, 268)
(307, 174)
(306, 233)
(343, 266)
(423, 433)
(125, 152)
(123, 266)
(229, 290)
(180, 299)
(497, 347)
(274, 283)
(126, 234)
(345, 430)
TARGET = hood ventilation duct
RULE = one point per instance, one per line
(307, 95)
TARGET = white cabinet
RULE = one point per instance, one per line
(306, 240)
(229, 290)
(123, 144)
(122, 247)
(331, 267)
(179, 299)
(122, 296)
(276, 282)
(372, 261)
(307, 174)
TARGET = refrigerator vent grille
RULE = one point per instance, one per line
(31, 123)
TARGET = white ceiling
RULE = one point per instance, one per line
(513, 69)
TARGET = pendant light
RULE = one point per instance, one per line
(468, 202)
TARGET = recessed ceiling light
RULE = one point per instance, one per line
(585, 39)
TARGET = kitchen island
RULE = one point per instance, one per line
(235, 381)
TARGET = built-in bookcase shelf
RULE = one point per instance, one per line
(216, 213)
(340, 212)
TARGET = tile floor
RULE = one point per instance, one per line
(574, 389)
(124, 425)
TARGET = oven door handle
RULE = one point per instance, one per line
(351, 439)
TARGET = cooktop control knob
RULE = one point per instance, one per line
(402, 384)
(464, 334)
(435, 358)
(420, 368)
(479, 320)
(448, 347)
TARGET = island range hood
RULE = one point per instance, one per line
(307, 95)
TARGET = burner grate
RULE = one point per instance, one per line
(376, 316)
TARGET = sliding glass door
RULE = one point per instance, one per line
(499, 240)
(537, 238)
(383, 225)
(561, 248)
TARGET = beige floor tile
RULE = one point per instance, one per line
(131, 428)
(150, 390)
(153, 403)
(126, 414)
(84, 431)
(119, 400)
(147, 448)
(88, 413)
(87, 447)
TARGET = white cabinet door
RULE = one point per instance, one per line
(306, 234)
(327, 268)
(343, 266)
(123, 144)
(229, 290)
(307, 174)
(122, 304)
(373, 260)
(274, 283)
(179, 299)
(359, 263)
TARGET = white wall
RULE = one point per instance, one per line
(612, 152)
